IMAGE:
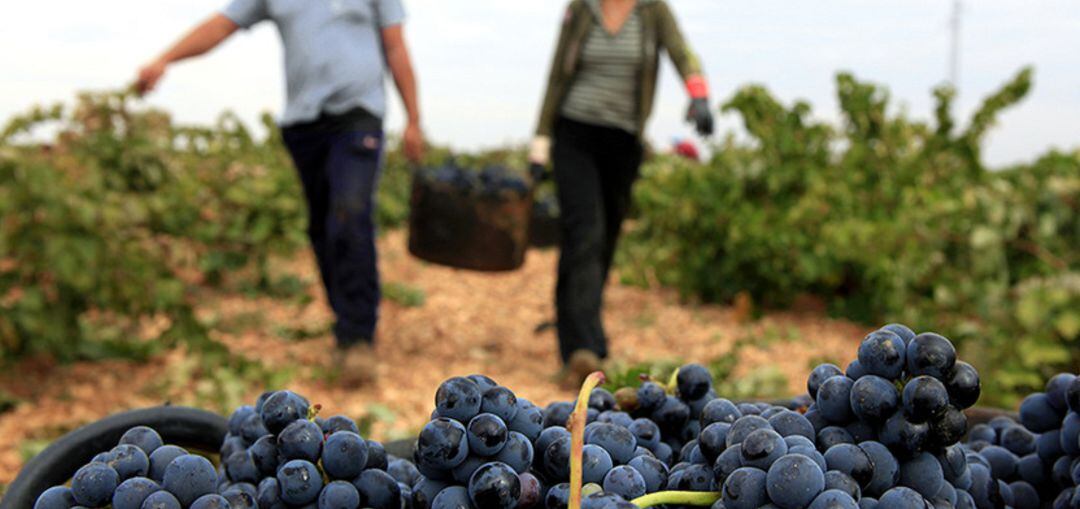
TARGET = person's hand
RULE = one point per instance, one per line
(149, 76)
(700, 115)
(413, 140)
(540, 150)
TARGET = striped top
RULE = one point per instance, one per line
(605, 90)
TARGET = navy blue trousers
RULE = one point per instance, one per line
(339, 171)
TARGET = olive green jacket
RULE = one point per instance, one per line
(660, 31)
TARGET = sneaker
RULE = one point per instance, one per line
(356, 364)
(582, 363)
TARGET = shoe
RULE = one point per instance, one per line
(581, 364)
(356, 364)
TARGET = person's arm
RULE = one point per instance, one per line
(540, 147)
(203, 38)
(397, 58)
(686, 61)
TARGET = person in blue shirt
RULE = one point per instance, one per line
(336, 56)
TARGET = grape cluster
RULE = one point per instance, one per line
(141, 472)
(490, 180)
(1036, 462)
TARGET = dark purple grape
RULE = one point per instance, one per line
(713, 439)
(452, 497)
(531, 491)
(494, 485)
(556, 414)
(833, 499)
(487, 434)
(458, 398)
(300, 440)
(788, 423)
(281, 409)
(499, 401)
(882, 353)
(557, 459)
(376, 456)
(443, 443)
(901, 330)
(213, 501)
(923, 474)
(719, 410)
(744, 426)
(345, 455)
(189, 477)
(518, 452)
(793, 481)
(601, 399)
(924, 398)
(886, 468)
(831, 436)
(484, 382)
(130, 494)
(558, 497)
(528, 421)
(930, 354)
(745, 488)
(671, 415)
(1038, 415)
(947, 428)
(963, 385)
(874, 399)
(834, 399)
(903, 437)
(378, 490)
(653, 471)
(852, 460)
(650, 396)
(625, 481)
(693, 381)
(818, 376)
(837, 480)
(142, 437)
(761, 448)
(339, 423)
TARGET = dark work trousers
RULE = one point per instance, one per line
(595, 168)
(339, 170)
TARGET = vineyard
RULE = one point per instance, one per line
(117, 225)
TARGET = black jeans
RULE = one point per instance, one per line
(339, 170)
(595, 168)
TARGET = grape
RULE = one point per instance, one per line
(486, 434)
(799, 440)
(443, 443)
(901, 330)
(982, 432)
(650, 396)
(494, 485)
(861, 431)
(818, 376)
(762, 447)
(922, 473)
(595, 464)
(253, 428)
(1072, 395)
(886, 468)
(873, 398)
(1064, 499)
(719, 410)
(518, 452)
(831, 436)
(142, 437)
(882, 353)
(964, 500)
(852, 460)
(653, 472)
(300, 440)
(282, 408)
(646, 433)
(901, 497)
(129, 461)
(230, 445)
(601, 400)
(403, 471)
(834, 399)
(556, 414)
(546, 438)
(693, 381)
(484, 382)
(464, 471)
(788, 423)
(984, 489)
(557, 459)
(458, 398)
(339, 423)
(713, 439)
(1024, 495)
(344, 455)
(453, 497)
(131, 493)
(499, 401)
(1059, 472)
(298, 480)
(378, 490)
(264, 454)
(239, 499)
(930, 354)
(664, 453)
(1033, 470)
(902, 436)
(269, 494)
(238, 416)
(855, 370)
(815, 418)
(1038, 415)
(618, 441)
(834, 499)
(1003, 463)
(837, 480)
(56, 497)
(531, 491)
(1070, 434)
(160, 458)
(1056, 389)
(162, 500)
(728, 462)
(744, 426)
(376, 455)
(626, 482)
(745, 488)
(870, 503)
(924, 397)
(1018, 440)
(671, 415)
(93, 484)
(695, 478)
(793, 481)
(425, 490)
(240, 467)
(528, 421)
(211, 501)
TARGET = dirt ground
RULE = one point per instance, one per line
(468, 323)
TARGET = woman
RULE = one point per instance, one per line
(599, 97)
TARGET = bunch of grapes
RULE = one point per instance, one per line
(492, 180)
(141, 473)
(1034, 463)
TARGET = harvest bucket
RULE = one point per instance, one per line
(469, 227)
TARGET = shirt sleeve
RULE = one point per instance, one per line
(389, 12)
(246, 13)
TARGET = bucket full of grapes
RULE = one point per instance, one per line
(471, 218)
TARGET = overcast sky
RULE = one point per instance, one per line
(482, 62)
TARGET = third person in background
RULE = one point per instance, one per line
(600, 94)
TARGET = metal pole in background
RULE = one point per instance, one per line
(954, 56)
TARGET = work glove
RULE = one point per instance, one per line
(539, 157)
(699, 113)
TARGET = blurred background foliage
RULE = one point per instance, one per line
(108, 229)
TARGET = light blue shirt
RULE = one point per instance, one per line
(333, 51)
